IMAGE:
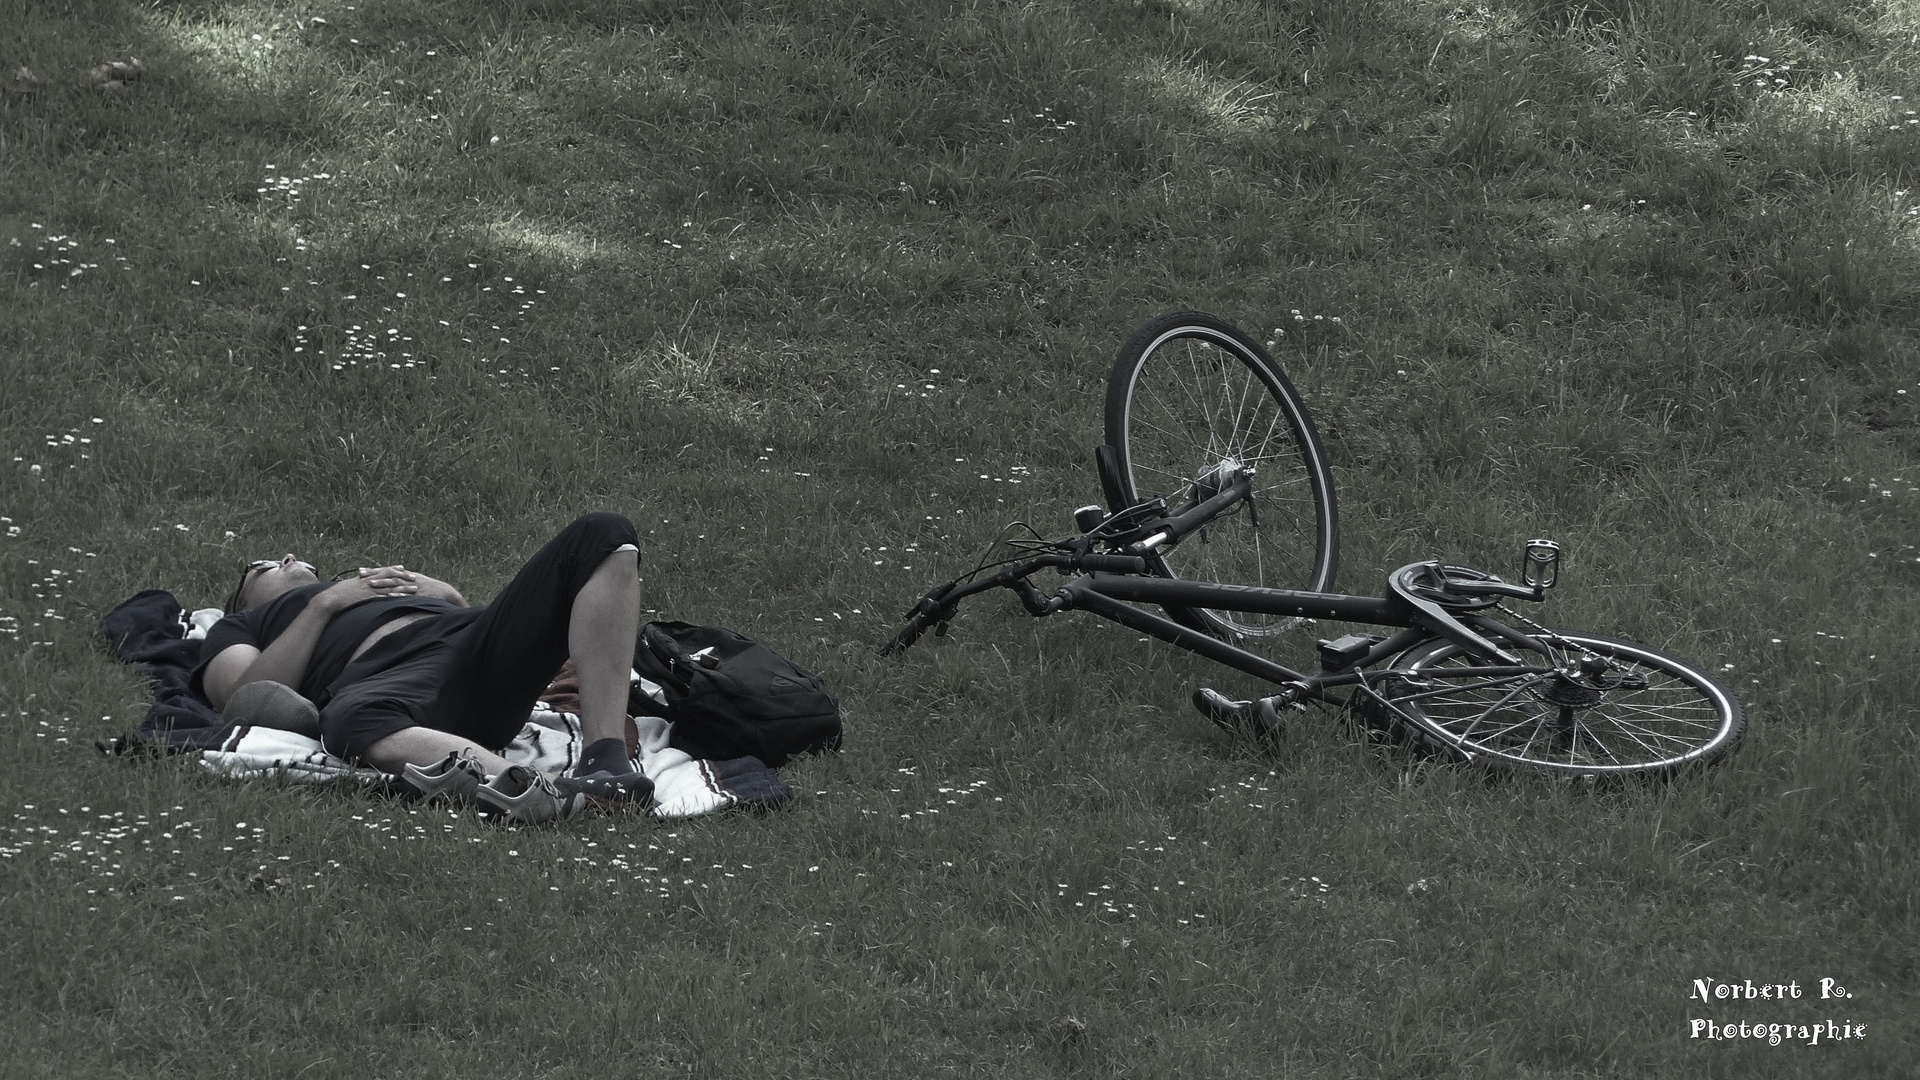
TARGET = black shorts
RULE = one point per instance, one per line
(475, 672)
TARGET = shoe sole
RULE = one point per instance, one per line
(455, 784)
(521, 814)
(530, 804)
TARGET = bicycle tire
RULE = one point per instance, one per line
(1189, 391)
(1681, 717)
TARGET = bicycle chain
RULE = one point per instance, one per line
(1365, 687)
(1548, 634)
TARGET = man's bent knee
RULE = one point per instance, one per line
(602, 527)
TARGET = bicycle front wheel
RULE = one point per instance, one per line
(1630, 710)
(1190, 393)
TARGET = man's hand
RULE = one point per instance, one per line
(371, 583)
(436, 589)
(378, 581)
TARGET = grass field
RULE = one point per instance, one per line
(822, 295)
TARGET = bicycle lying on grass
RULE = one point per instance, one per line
(1220, 510)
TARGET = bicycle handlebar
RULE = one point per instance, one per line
(940, 604)
(930, 610)
(1179, 524)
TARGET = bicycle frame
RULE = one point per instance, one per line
(1110, 586)
(1421, 599)
(1112, 597)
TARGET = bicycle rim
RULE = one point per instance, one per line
(1190, 393)
(1667, 715)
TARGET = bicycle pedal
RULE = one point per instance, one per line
(1259, 718)
(1218, 707)
(1262, 721)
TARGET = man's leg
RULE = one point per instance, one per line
(425, 746)
(579, 595)
(600, 635)
(377, 720)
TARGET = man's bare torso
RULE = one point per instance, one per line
(386, 628)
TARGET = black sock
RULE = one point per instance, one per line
(606, 755)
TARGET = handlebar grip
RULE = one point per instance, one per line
(1114, 564)
(925, 614)
(904, 640)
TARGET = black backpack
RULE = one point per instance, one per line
(729, 696)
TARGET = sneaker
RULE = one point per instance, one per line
(451, 779)
(607, 789)
(521, 794)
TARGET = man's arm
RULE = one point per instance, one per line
(285, 660)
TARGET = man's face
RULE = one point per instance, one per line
(268, 578)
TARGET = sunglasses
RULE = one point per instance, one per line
(232, 603)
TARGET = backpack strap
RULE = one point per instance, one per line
(679, 663)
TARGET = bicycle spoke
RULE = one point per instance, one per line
(1510, 695)
(1634, 731)
(1629, 732)
(1661, 713)
(1182, 439)
(1197, 404)
(1189, 395)
(1495, 737)
(1240, 412)
(1533, 734)
(1175, 437)
(1200, 403)
(1573, 744)
(1546, 721)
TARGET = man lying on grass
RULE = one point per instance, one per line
(390, 667)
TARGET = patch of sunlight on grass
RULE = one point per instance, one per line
(1470, 25)
(242, 40)
(673, 369)
(1233, 104)
(571, 246)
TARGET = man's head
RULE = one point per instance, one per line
(264, 579)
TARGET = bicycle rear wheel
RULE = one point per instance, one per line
(1645, 713)
(1190, 393)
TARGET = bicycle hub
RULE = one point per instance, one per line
(1215, 478)
(1569, 694)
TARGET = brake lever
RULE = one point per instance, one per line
(929, 603)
